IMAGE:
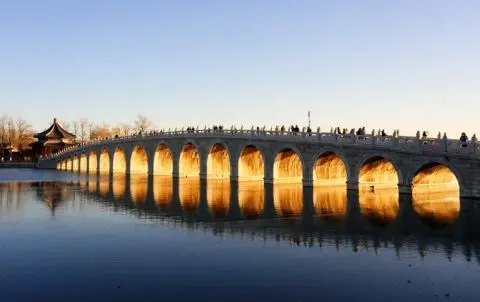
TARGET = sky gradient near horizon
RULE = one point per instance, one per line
(408, 65)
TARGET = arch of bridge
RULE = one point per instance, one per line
(417, 167)
(332, 150)
(391, 157)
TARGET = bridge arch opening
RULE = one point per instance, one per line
(163, 161)
(251, 164)
(69, 164)
(329, 169)
(218, 162)
(218, 197)
(104, 165)
(139, 161)
(59, 166)
(436, 194)
(75, 163)
(288, 199)
(83, 162)
(119, 161)
(378, 172)
(287, 167)
(64, 165)
(435, 177)
(92, 162)
(189, 164)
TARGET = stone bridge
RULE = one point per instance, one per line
(273, 156)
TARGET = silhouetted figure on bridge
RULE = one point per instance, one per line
(424, 135)
(309, 131)
(383, 133)
(282, 129)
(463, 139)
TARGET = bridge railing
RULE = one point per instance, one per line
(402, 143)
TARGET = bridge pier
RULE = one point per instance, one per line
(352, 186)
(404, 189)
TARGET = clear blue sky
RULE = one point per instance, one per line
(407, 64)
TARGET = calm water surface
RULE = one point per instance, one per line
(74, 237)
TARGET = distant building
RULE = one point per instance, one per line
(52, 140)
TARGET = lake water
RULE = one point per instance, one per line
(76, 237)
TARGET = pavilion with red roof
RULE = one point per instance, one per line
(52, 140)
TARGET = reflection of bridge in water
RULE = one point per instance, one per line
(310, 216)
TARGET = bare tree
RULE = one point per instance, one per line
(75, 128)
(143, 124)
(101, 131)
(125, 129)
(83, 130)
(24, 134)
(66, 125)
(3, 133)
(11, 131)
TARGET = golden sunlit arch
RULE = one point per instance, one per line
(75, 163)
(119, 161)
(139, 160)
(104, 165)
(288, 166)
(189, 163)
(218, 162)
(92, 162)
(83, 162)
(378, 171)
(251, 164)
(163, 160)
(329, 169)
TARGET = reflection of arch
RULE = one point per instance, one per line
(435, 176)
(379, 171)
(437, 206)
(83, 162)
(251, 198)
(218, 197)
(288, 199)
(251, 164)
(189, 164)
(104, 185)
(75, 163)
(119, 161)
(119, 185)
(139, 160)
(330, 202)
(163, 160)
(104, 161)
(380, 206)
(162, 190)
(92, 162)
(138, 188)
(189, 192)
(218, 162)
(329, 168)
(288, 166)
